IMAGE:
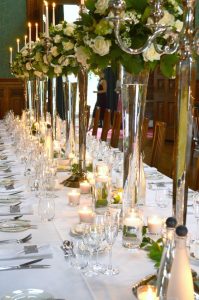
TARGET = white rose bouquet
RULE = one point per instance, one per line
(96, 45)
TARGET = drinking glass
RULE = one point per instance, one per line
(111, 232)
(97, 233)
(162, 197)
(79, 255)
(46, 208)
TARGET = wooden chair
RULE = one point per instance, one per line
(106, 124)
(158, 142)
(116, 129)
(145, 126)
(88, 110)
(96, 121)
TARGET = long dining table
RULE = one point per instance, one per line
(61, 279)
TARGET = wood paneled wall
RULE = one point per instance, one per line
(11, 96)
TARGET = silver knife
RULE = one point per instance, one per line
(28, 265)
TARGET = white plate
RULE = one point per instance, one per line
(14, 226)
(28, 294)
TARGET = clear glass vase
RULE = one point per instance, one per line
(30, 97)
(133, 92)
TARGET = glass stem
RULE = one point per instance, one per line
(110, 258)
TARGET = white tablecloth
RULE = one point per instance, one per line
(63, 281)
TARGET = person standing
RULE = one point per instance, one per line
(101, 98)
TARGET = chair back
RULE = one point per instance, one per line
(106, 124)
(116, 129)
(96, 121)
(145, 126)
(158, 142)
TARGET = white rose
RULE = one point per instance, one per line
(69, 30)
(54, 51)
(58, 27)
(150, 54)
(101, 46)
(57, 70)
(24, 53)
(28, 66)
(167, 20)
(68, 46)
(178, 25)
(101, 6)
(38, 74)
(57, 39)
(82, 55)
(45, 59)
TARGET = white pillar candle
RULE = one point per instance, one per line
(18, 41)
(47, 19)
(154, 224)
(25, 40)
(73, 198)
(84, 187)
(147, 292)
(10, 55)
(86, 215)
(53, 18)
(36, 31)
(82, 2)
(29, 35)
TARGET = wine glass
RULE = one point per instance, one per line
(111, 232)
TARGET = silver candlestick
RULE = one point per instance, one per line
(187, 43)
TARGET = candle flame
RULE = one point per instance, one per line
(36, 24)
(25, 37)
(29, 24)
(53, 4)
(18, 40)
(10, 49)
(45, 3)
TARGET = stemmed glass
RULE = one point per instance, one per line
(111, 232)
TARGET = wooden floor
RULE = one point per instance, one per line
(165, 163)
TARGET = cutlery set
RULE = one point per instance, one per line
(27, 265)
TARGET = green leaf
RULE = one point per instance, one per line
(146, 14)
(87, 20)
(167, 64)
(90, 5)
(133, 64)
(137, 5)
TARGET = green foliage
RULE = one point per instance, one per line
(154, 249)
(167, 64)
(132, 63)
(137, 5)
(75, 169)
(90, 5)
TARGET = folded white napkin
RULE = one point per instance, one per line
(25, 209)
(8, 252)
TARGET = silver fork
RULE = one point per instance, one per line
(18, 241)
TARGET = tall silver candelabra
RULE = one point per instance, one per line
(187, 43)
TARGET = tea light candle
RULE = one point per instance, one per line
(154, 224)
(73, 198)
(84, 187)
(86, 215)
(132, 221)
(147, 292)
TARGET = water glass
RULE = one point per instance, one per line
(46, 208)
(162, 197)
(79, 255)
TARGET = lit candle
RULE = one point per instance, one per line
(154, 224)
(25, 40)
(147, 292)
(47, 19)
(10, 55)
(82, 2)
(86, 215)
(71, 155)
(36, 30)
(29, 36)
(84, 187)
(73, 198)
(102, 169)
(53, 5)
(18, 41)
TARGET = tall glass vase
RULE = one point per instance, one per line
(30, 97)
(42, 91)
(54, 106)
(134, 90)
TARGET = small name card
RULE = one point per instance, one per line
(30, 249)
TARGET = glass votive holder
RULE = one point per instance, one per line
(85, 187)
(86, 215)
(102, 193)
(146, 292)
(132, 230)
(73, 198)
(154, 224)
